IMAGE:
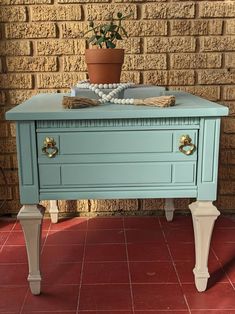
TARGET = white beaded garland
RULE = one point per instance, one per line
(110, 97)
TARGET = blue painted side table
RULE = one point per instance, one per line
(118, 151)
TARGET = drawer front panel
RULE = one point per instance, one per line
(115, 142)
(131, 174)
(117, 158)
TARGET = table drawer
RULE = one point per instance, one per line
(121, 158)
(115, 142)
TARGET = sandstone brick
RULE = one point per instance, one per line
(229, 126)
(168, 10)
(155, 77)
(169, 77)
(13, 129)
(144, 62)
(5, 193)
(229, 60)
(11, 207)
(134, 28)
(82, 1)
(74, 29)
(128, 205)
(8, 145)
(207, 92)
(146, 28)
(181, 77)
(170, 44)
(5, 162)
(13, 2)
(230, 105)
(56, 13)
(140, 1)
(230, 27)
(60, 47)
(130, 76)
(2, 98)
(105, 11)
(8, 81)
(104, 205)
(3, 129)
(14, 162)
(219, 76)
(226, 187)
(15, 48)
(195, 61)
(131, 45)
(217, 9)
(113, 205)
(73, 206)
(18, 96)
(227, 141)
(196, 27)
(222, 43)
(227, 172)
(227, 157)
(32, 64)
(12, 177)
(153, 204)
(182, 203)
(58, 80)
(74, 63)
(229, 92)
(225, 203)
(13, 14)
(31, 30)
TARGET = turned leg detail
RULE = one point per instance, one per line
(169, 209)
(204, 214)
(30, 217)
(54, 212)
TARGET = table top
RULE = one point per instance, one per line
(49, 107)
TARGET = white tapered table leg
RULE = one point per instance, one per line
(30, 217)
(54, 212)
(169, 209)
(204, 214)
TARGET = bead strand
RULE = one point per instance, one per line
(111, 96)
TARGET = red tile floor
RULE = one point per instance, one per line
(119, 265)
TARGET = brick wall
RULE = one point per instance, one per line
(186, 45)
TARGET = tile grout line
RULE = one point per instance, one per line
(128, 266)
(2, 246)
(172, 261)
(82, 267)
(222, 267)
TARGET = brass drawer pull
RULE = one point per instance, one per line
(49, 147)
(185, 141)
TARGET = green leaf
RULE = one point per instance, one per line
(100, 40)
(110, 44)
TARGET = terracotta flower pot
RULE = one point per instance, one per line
(104, 65)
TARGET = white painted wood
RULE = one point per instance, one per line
(54, 211)
(30, 217)
(169, 209)
(204, 214)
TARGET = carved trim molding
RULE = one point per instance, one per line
(117, 122)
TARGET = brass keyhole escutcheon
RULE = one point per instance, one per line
(49, 147)
(186, 141)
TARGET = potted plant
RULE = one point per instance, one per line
(105, 63)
